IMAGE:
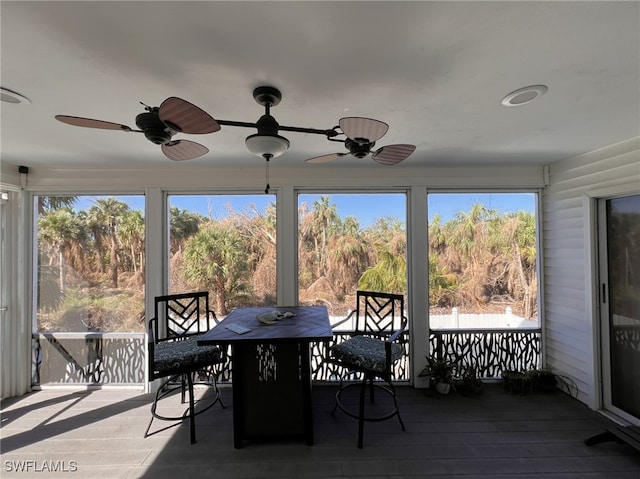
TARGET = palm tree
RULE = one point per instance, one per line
(59, 228)
(183, 224)
(108, 213)
(215, 258)
(470, 234)
(50, 203)
(131, 233)
(520, 231)
(258, 235)
(442, 284)
(389, 240)
(437, 236)
(348, 257)
(388, 275)
(306, 251)
(92, 219)
(324, 225)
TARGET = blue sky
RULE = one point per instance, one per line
(368, 207)
(86, 202)
(365, 207)
(448, 204)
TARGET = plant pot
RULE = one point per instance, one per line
(546, 382)
(443, 388)
(517, 382)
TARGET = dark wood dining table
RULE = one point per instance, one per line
(271, 369)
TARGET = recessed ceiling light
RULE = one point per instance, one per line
(10, 96)
(524, 95)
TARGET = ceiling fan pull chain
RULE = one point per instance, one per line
(266, 190)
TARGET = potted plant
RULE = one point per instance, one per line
(516, 382)
(544, 379)
(469, 384)
(440, 373)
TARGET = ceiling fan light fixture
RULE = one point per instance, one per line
(270, 146)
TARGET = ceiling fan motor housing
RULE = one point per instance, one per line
(154, 129)
(357, 148)
(267, 125)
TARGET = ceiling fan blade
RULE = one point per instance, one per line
(356, 127)
(393, 154)
(90, 123)
(325, 158)
(187, 117)
(180, 150)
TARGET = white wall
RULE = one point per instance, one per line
(569, 257)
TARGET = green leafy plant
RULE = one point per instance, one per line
(543, 379)
(440, 370)
(469, 384)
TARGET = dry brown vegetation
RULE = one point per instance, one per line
(91, 268)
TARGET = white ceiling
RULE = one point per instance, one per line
(434, 71)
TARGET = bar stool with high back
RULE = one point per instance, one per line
(174, 355)
(371, 352)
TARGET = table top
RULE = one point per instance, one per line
(310, 323)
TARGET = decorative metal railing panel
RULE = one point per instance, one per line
(627, 338)
(490, 352)
(88, 358)
(119, 358)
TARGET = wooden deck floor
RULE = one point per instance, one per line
(99, 434)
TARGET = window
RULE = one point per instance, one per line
(350, 241)
(225, 244)
(482, 260)
(90, 263)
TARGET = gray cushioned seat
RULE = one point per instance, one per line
(183, 355)
(365, 352)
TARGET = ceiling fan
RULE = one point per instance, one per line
(362, 133)
(160, 124)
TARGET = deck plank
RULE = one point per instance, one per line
(496, 434)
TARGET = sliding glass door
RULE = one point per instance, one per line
(620, 303)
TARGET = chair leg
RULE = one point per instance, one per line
(192, 408)
(154, 405)
(186, 387)
(335, 406)
(395, 403)
(367, 382)
(182, 387)
(361, 413)
(371, 394)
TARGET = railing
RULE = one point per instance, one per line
(489, 351)
(88, 358)
(119, 358)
